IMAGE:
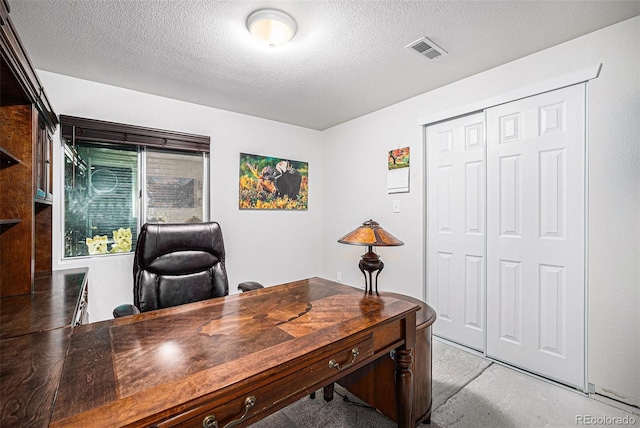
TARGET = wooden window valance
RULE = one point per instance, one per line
(78, 129)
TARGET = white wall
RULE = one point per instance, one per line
(266, 246)
(355, 182)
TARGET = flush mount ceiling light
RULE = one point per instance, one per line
(272, 27)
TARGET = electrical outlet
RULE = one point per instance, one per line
(339, 276)
(362, 282)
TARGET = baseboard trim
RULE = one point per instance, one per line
(634, 410)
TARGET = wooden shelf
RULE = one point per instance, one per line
(7, 158)
(4, 221)
(45, 201)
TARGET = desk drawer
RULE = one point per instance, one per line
(275, 394)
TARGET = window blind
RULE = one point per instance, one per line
(77, 129)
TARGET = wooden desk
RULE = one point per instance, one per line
(374, 382)
(35, 330)
(189, 364)
(58, 300)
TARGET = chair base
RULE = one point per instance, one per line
(249, 285)
(125, 310)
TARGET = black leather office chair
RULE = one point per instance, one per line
(178, 263)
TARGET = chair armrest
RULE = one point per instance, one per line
(125, 310)
(249, 285)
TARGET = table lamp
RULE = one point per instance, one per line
(371, 235)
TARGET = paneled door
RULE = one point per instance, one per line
(455, 227)
(536, 234)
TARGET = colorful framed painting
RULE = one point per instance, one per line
(399, 158)
(269, 183)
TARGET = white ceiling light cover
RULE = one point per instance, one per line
(272, 27)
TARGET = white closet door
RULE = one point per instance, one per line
(456, 210)
(536, 234)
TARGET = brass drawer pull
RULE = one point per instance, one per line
(249, 402)
(211, 422)
(334, 365)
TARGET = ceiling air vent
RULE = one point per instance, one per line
(426, 48)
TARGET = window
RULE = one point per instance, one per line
(101, 196)
(175, 184)
(115, 175)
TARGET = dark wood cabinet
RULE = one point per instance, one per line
(27, 123)
(16, 200)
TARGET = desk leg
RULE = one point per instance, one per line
(404, 388)
(404, 376)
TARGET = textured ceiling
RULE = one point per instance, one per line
(347, 59)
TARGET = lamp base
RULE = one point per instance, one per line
(369, 263)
